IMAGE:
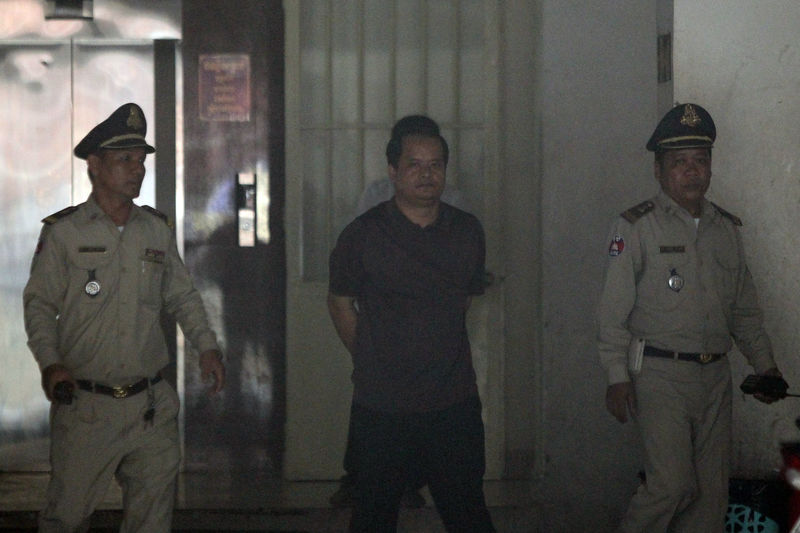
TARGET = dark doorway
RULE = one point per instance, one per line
(230, 134)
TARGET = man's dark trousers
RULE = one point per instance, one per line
(445, 448)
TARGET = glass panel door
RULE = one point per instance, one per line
(35, 170)
(53, 93)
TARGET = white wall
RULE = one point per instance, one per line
(740, 59)
(597, 101)
(597, 105)
(521, 200)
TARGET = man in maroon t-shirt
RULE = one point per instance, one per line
(401, 279)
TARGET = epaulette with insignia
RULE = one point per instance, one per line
(159, 214)
(733, 218)
(638, 211)
(55, 217)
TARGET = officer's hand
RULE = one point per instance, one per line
(760, 396)
(621, 398)
(211, 365)
(54, 374)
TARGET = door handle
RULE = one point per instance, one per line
(246, 208)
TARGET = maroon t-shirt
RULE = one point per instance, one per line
(412, 285)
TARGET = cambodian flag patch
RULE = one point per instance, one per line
(616, 246)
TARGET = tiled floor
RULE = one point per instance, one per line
(258, 502)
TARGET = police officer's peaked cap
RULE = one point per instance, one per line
(684, 126)
(125, 128)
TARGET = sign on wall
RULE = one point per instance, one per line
(224, 87)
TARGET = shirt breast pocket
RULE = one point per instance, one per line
(89, 276)
(666, 282)
(151, 277)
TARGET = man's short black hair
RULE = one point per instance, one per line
(413, 125)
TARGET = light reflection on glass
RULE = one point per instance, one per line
(54, 91)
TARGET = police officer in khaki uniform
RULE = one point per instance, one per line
(677, 290)
(102, 274)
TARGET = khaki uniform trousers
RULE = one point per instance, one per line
(684, 417)
(97, 437)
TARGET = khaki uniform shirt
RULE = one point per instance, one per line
(114, 337)
(657, 240)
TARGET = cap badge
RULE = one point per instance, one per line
(690, 117)
(135, 119)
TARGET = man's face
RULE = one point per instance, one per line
(420, 174)
(118, 173)
(685, 176)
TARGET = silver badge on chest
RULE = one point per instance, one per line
(92, 287)
(675, 281)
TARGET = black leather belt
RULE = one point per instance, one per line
(702, 358)
(120, 391)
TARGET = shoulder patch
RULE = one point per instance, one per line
(638, 211)
(733, 218)
(55, 217)
(155, 212)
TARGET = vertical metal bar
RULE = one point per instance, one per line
(295, 223)
(393, 58)
(425, 51)
(328, 127)
(164, 121)
(165, 163)
(180, 370)
(164, 85)
(458, 6)
(361, 40)
(73, 177)
(456, 141)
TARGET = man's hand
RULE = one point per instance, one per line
(764, 397)
(621, 398)
(54, 374)
(211, 365)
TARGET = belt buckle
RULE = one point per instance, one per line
(706, 358)
(120, 392)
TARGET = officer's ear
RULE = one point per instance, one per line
(93, 162)
(657, 169)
